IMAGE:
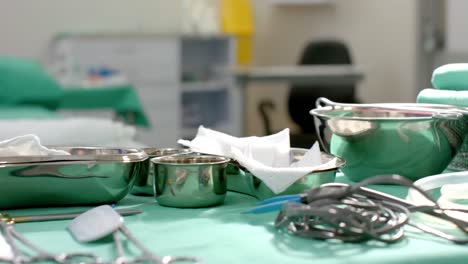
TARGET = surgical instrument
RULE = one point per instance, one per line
(38, 255)
(61, 216)
(356, 213)
(102, 221)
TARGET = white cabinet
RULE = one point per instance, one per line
(182, 81)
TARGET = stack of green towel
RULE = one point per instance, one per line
(24, 82)
(451, 87)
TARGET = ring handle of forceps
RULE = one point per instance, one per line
(149, 256)
(460, 223)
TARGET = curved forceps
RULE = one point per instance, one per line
(146, 256)
(40, 255)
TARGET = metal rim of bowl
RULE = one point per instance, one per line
(158, 152)
(428, 114)
(123, 155)
(340, 162)
(429, 106)
(174, 160)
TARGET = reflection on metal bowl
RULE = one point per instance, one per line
(351, 128)
(408, 139)
(190, 180)
(241, 180)
(144, 180)
(87, 176)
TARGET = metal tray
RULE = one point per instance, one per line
(90, 175)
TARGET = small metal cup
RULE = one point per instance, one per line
(144, 180)
(191, 180)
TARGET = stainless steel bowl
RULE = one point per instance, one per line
(87, 176)
(412, 140)
(241, 180)
(190, 180)
(144, 180)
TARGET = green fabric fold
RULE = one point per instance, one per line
(122, 99)
(25, 82)
(434, 96)
(451, 77)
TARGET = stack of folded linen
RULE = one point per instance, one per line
(73, 131)
(451, 88)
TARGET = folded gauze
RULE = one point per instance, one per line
(27, 145)
(434, 96)
(451, 77)
(267, 158)
(73, 131)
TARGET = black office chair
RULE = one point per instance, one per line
(302, 97)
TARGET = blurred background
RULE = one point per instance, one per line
(168, 66)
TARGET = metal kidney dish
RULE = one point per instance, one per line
(87, 176)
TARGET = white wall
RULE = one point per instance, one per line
(454, 24)
(382, 36)
(457, 30)
(26, 26)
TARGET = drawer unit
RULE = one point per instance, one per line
(180, 80)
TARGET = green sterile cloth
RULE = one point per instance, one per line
(223, 234)
(434, 96)
(451, 77)
(26, 112)
(122, 99)
(25, 82)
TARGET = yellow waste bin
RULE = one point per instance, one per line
(237, 20)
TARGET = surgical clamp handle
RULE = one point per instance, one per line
(147, 255)
(10, 233)
(383, 196)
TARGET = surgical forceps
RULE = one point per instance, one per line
(102, 221)
(40, 255)
(146, 256)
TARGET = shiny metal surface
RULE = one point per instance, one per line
(413, 140)
(241, 180)
(88, 176)
(80, 154)
(191, 180)
(144, 180)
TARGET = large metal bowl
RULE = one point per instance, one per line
(242, 181)
(412, 140)
(87, 176)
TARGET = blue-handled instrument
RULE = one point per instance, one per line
(275, 203)
(280, 198)
(327, 191)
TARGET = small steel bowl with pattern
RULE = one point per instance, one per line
(144, 180)
(191, 180)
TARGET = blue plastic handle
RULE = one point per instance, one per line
(274, 206)
(280, 198)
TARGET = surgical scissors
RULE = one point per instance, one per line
(39, 255)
